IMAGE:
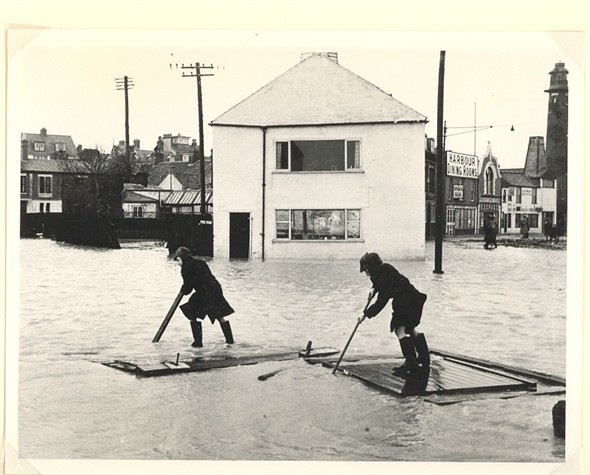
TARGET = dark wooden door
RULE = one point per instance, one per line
(239, 235)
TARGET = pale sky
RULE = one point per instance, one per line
(64, 80)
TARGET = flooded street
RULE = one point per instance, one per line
(80, 307)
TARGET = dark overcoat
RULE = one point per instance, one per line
(407, 303)
(208, 299)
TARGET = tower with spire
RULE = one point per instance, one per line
(556, 140)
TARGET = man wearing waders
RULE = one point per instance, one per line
(407, 306)
(208, 299)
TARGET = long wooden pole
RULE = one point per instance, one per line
(351, 335)
(168, 317)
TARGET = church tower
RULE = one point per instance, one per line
(556, 140)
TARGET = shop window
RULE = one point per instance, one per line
(318, 224)
(318, 155)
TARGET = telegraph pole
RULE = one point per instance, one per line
(440, 171)
(198, 74)
(124, 84)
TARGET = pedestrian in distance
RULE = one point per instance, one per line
(490, 233)
(547, 228)
(524, 226)
(407, 304)
(206, 301)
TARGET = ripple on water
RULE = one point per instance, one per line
(99, 305)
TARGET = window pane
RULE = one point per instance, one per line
(317, 155)
(353, 215)
(282, 215)
(353, 230)
(353, 158)
(282, 155)
(283, 230)
(317, 224)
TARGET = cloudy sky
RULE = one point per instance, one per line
(64, 79)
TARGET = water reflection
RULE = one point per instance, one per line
(80, 306)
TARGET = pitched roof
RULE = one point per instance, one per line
(49, 139)
(318, 91)
(52, 166)
(186, 173)
(516, 177)
(132, 197)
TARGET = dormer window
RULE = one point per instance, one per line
(39, 146)
(59, 146)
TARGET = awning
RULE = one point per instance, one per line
(187, 198)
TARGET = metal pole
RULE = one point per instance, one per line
(440, 175)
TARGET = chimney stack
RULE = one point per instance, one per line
(136, 144)
(43, 132)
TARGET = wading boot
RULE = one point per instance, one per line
(422, 350)
(197, 330)
(410, 365)
(225, 326)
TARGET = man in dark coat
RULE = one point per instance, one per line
(490, 233)
(407, 303)
(207, 300)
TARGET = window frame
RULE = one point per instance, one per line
(45, 183)
(23, 183)
(39, 146)
(279, 160)
(352, 219)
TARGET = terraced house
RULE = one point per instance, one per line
(319, 163)
(41, 174)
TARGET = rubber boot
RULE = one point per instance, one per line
(422, 350)
(410, 364)
(225, 326)
(197, 330)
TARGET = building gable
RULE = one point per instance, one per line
(318, 91)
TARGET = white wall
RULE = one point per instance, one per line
(33, 206)
(389, 190)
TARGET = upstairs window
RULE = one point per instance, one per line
(534, 196)
(318, 155)
(489, 182)
(39, 146)
(23, 183)
(44, 184)
(59, 146)
(518, 194)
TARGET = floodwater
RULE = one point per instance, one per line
(82, 306)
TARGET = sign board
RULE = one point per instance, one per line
(461, 165)
(458, 191)
(527, 192)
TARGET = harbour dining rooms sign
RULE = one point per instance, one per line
(461, 165)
